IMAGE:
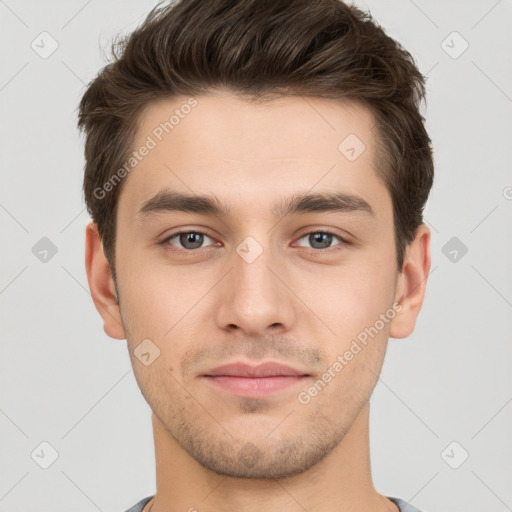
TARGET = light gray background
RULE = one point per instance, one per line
(64, 382)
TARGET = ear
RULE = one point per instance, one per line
(411, 284)
(101, 283)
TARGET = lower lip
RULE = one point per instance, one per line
(254, 387)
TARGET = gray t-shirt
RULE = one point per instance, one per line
(402, 505)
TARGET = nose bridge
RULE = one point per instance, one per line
(253, 298)
(251, 265)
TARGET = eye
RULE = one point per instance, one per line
(321, 239)
(192, 240)
(188, 240)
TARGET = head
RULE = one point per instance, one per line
(293, 128)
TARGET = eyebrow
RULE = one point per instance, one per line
(299, 203)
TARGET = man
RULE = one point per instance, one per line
(256, 173)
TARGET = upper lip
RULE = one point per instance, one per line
(269, 369)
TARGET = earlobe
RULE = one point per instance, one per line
(101, 283)
(412, 284)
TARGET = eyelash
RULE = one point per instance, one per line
(192, 251)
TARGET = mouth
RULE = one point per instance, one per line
(254, 381)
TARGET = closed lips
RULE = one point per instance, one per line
(269, 369)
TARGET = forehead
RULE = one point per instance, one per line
(247, 152)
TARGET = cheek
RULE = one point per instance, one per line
(349, 298)
(155, 296)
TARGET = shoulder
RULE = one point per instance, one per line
(140, 505)
(403, 505)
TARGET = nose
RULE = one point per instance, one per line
(254, 296)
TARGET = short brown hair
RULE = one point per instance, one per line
(258, 49)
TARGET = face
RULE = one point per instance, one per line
(256, 276)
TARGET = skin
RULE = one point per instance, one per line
(297, 304)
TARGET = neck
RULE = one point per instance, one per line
(341, 482)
